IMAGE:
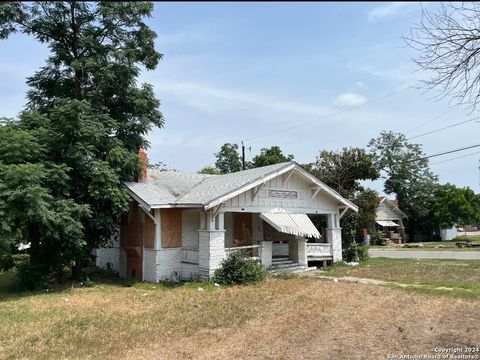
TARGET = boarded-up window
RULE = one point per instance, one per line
(271, 234)
(171, 228)
(242, 229)
(131, 228)
(149, 233)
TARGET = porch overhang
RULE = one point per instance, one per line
(387, 223)
(288, 223)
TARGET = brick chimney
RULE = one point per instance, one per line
(142, 155)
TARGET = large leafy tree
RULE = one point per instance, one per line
(343, 170)
(228, 159)
(407, 175)
(270, 156)
(89, 113)
(453, 205)
(34, 200)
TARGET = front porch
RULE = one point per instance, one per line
(280, 258)
(294, 245)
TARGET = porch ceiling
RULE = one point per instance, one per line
(295, 224)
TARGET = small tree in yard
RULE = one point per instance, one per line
(237, 269)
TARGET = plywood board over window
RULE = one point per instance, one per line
(242, 229)
(149, 233)
(131, 227)
(171, 228)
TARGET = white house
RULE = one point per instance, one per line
(390, 219)
(181, 226)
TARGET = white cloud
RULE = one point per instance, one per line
(391, 9)
(349, 99)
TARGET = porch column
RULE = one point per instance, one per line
(211, 245)
(302, 251)
(266, 253)
(333, 233)
(297, 249)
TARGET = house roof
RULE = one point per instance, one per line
(176, 189)
(393, 205)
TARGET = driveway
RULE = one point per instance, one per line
(425, 254)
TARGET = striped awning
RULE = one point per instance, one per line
(288, 223)
(386, 223)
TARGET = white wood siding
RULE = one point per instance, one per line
(323, 203)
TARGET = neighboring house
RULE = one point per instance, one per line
(389, 219)
(181, 226)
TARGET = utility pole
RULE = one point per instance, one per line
(243, 156)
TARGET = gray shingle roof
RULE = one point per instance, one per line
(177, 188)
(172, 188)
(216, 186)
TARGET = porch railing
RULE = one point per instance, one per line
(251, 251)
(319, 249)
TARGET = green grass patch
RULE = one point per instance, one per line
(452, 277)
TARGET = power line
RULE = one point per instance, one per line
(455, 158)
(311, 122)
(444, 153)
(444, 128)
(429, 121)
(327, 116)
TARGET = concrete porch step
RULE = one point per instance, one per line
(277, 260)
(284, 265)
(294, 269)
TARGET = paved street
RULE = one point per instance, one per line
(425, 254)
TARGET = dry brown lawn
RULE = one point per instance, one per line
(303, 318)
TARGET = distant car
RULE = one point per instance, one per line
(460, 229)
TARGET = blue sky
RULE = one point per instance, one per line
(236, 71)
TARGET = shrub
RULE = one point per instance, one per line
(32, 277)
(6, 262)
(362, 252)
(21, 259)
(350, 252)
(237, 269)
(377, 238)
